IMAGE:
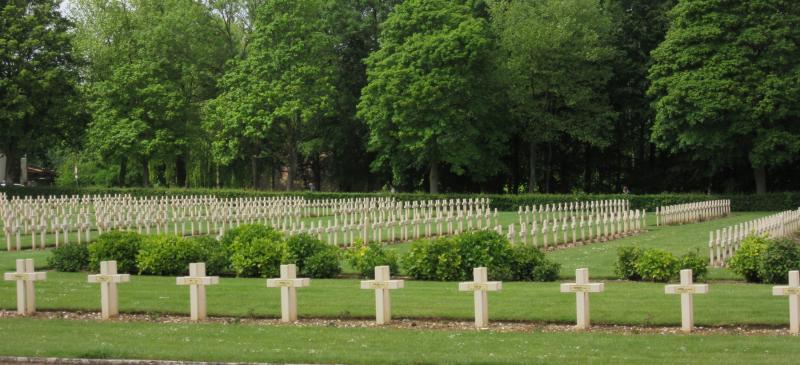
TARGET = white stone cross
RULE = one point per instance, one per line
(686, 289)
(382, 284)
(480, 285)
(25, 276)
(582, 287)
(793, 291)
(108, 279)
(288, 283)
(197, 281)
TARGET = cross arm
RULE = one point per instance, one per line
(203, 280)
(105, 278)
(582, 288)
(473, 286)
(388, 284)
(686, 289)
(785, 290)
(288, 283)
(26, 276)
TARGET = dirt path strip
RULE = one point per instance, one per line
(414, 324)
(11, 360)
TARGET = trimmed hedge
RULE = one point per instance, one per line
(169, 255)
(120, 246)
(505, 202)
(655, 264)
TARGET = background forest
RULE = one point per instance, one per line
(416, 95)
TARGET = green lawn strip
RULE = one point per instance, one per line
(622, 303)
(279, 344)
(600, 257)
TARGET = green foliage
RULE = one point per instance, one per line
(426, 99)
(724, 82)
(530, 264)
(216, 256)
(39, 102)
(258, 257)
(555, 62)
(696, 262)
(116, 245)
(780, 256)
(657, 265)
(314, 258)
(746, 260)
(364, 258)
(168, 255)
(437, 259)
(453, 258)
(486, 248)
(247, 233)
(72, 257)
(627, 257)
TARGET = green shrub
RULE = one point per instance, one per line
(438, 259)
(746, 260)
(259, 257)
(314, 258)
(116, 245)
(625, 267)
(781, 256)
(696, 262)
(530, 264)
(168, 255)
(657, 265)
(364, 258)
(248, 232)
(217, 257)
(72, 257)
(488, 249)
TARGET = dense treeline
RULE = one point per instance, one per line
(447, 96)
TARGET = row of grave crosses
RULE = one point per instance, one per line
(25, 276)
(549, 212)
(368, 218)
(595, 228)
(723, 243)
(346, 230)
(692, 212)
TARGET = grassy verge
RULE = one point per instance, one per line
(252, 343)
(622, 303)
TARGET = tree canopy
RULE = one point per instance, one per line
(496, 96)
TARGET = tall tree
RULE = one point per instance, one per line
(726, 80)
(556, 60)
(284, 85)
(424, 102)
(152, 64)
(39, 103)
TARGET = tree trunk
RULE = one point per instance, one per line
(254, 171)
(549, 174)
(532, 168)
(12, 165)
(433, 178)
(145, 172)
(180, 170)
(317, 173)
(292, 165)
(123, 172)
(760, 174)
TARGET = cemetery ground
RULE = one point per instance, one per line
(731, 305)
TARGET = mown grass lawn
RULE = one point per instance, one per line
(279, 344)
(622, 303)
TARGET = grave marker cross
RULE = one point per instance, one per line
(582, 287)
(793, 292)
(197, 281)
(480, 286)
(25, 276)
(382, 284)
(288, 283)
(686, 289)
(108, 279)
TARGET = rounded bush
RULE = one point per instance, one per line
(530, 264)
(746, 260)
(168, 255)
(259, 257)
(697, 262)
(313, 257)
(217, 257)
(438, 259)
(657, 265)
(486, 248)
(625, 267)
(248, 232)
(780, 256)
(364, 258)
(116, 245)
(71, 257)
